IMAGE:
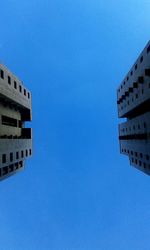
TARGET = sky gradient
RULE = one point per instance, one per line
(77, 192)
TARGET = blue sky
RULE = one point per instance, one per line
(77, 192)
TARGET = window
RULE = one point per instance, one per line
(3, 158)
(30, 152)
(144, 165)
(147, 157)
(16, 165)
(20, 164)
(11, 168)
(148, 49)
(2, 74)
(20, 88)
(141, 59)
(25, 92)
(131, 73)
(17, 155)
(141, 155)
(135, 67)
(15, 84)
(11, 156)
(5, 170)
(28, 95)
(26, 152)
(22, 154)
(9, 80)
(8, 121)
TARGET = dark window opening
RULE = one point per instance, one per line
(15, 84)
(2, 74)
(141, 155)
(25, 92)
(9, 121)
(147, 157)
(28, 95)
(11, 168)
(20, 164)
(9, 80)
(141, 59)
(4, 158)
(148, 49)
(5, 170)
(135, 66)
(26, 152)
(22, 154)
(30, 151)
(17, 155)
(20, 88)
(11, 156)
(16, 165)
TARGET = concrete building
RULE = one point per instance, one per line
(15, 110)
(133, 100)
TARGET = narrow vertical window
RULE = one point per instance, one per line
(9, 79)
(15, 84)
(3, 158)
(11, 156)
(2, 74)
(20, 88)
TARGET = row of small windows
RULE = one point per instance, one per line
(15, 84)
(18, 154)
(10, 168)
(136, 154)
(140, 163)
(134, 127)
(135, 68)
(136, 96)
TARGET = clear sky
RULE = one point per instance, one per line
(77, 192)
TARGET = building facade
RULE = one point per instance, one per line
(15, 110)
(133, 101)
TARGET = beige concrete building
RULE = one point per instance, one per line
(133, 99)
(15, 110)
